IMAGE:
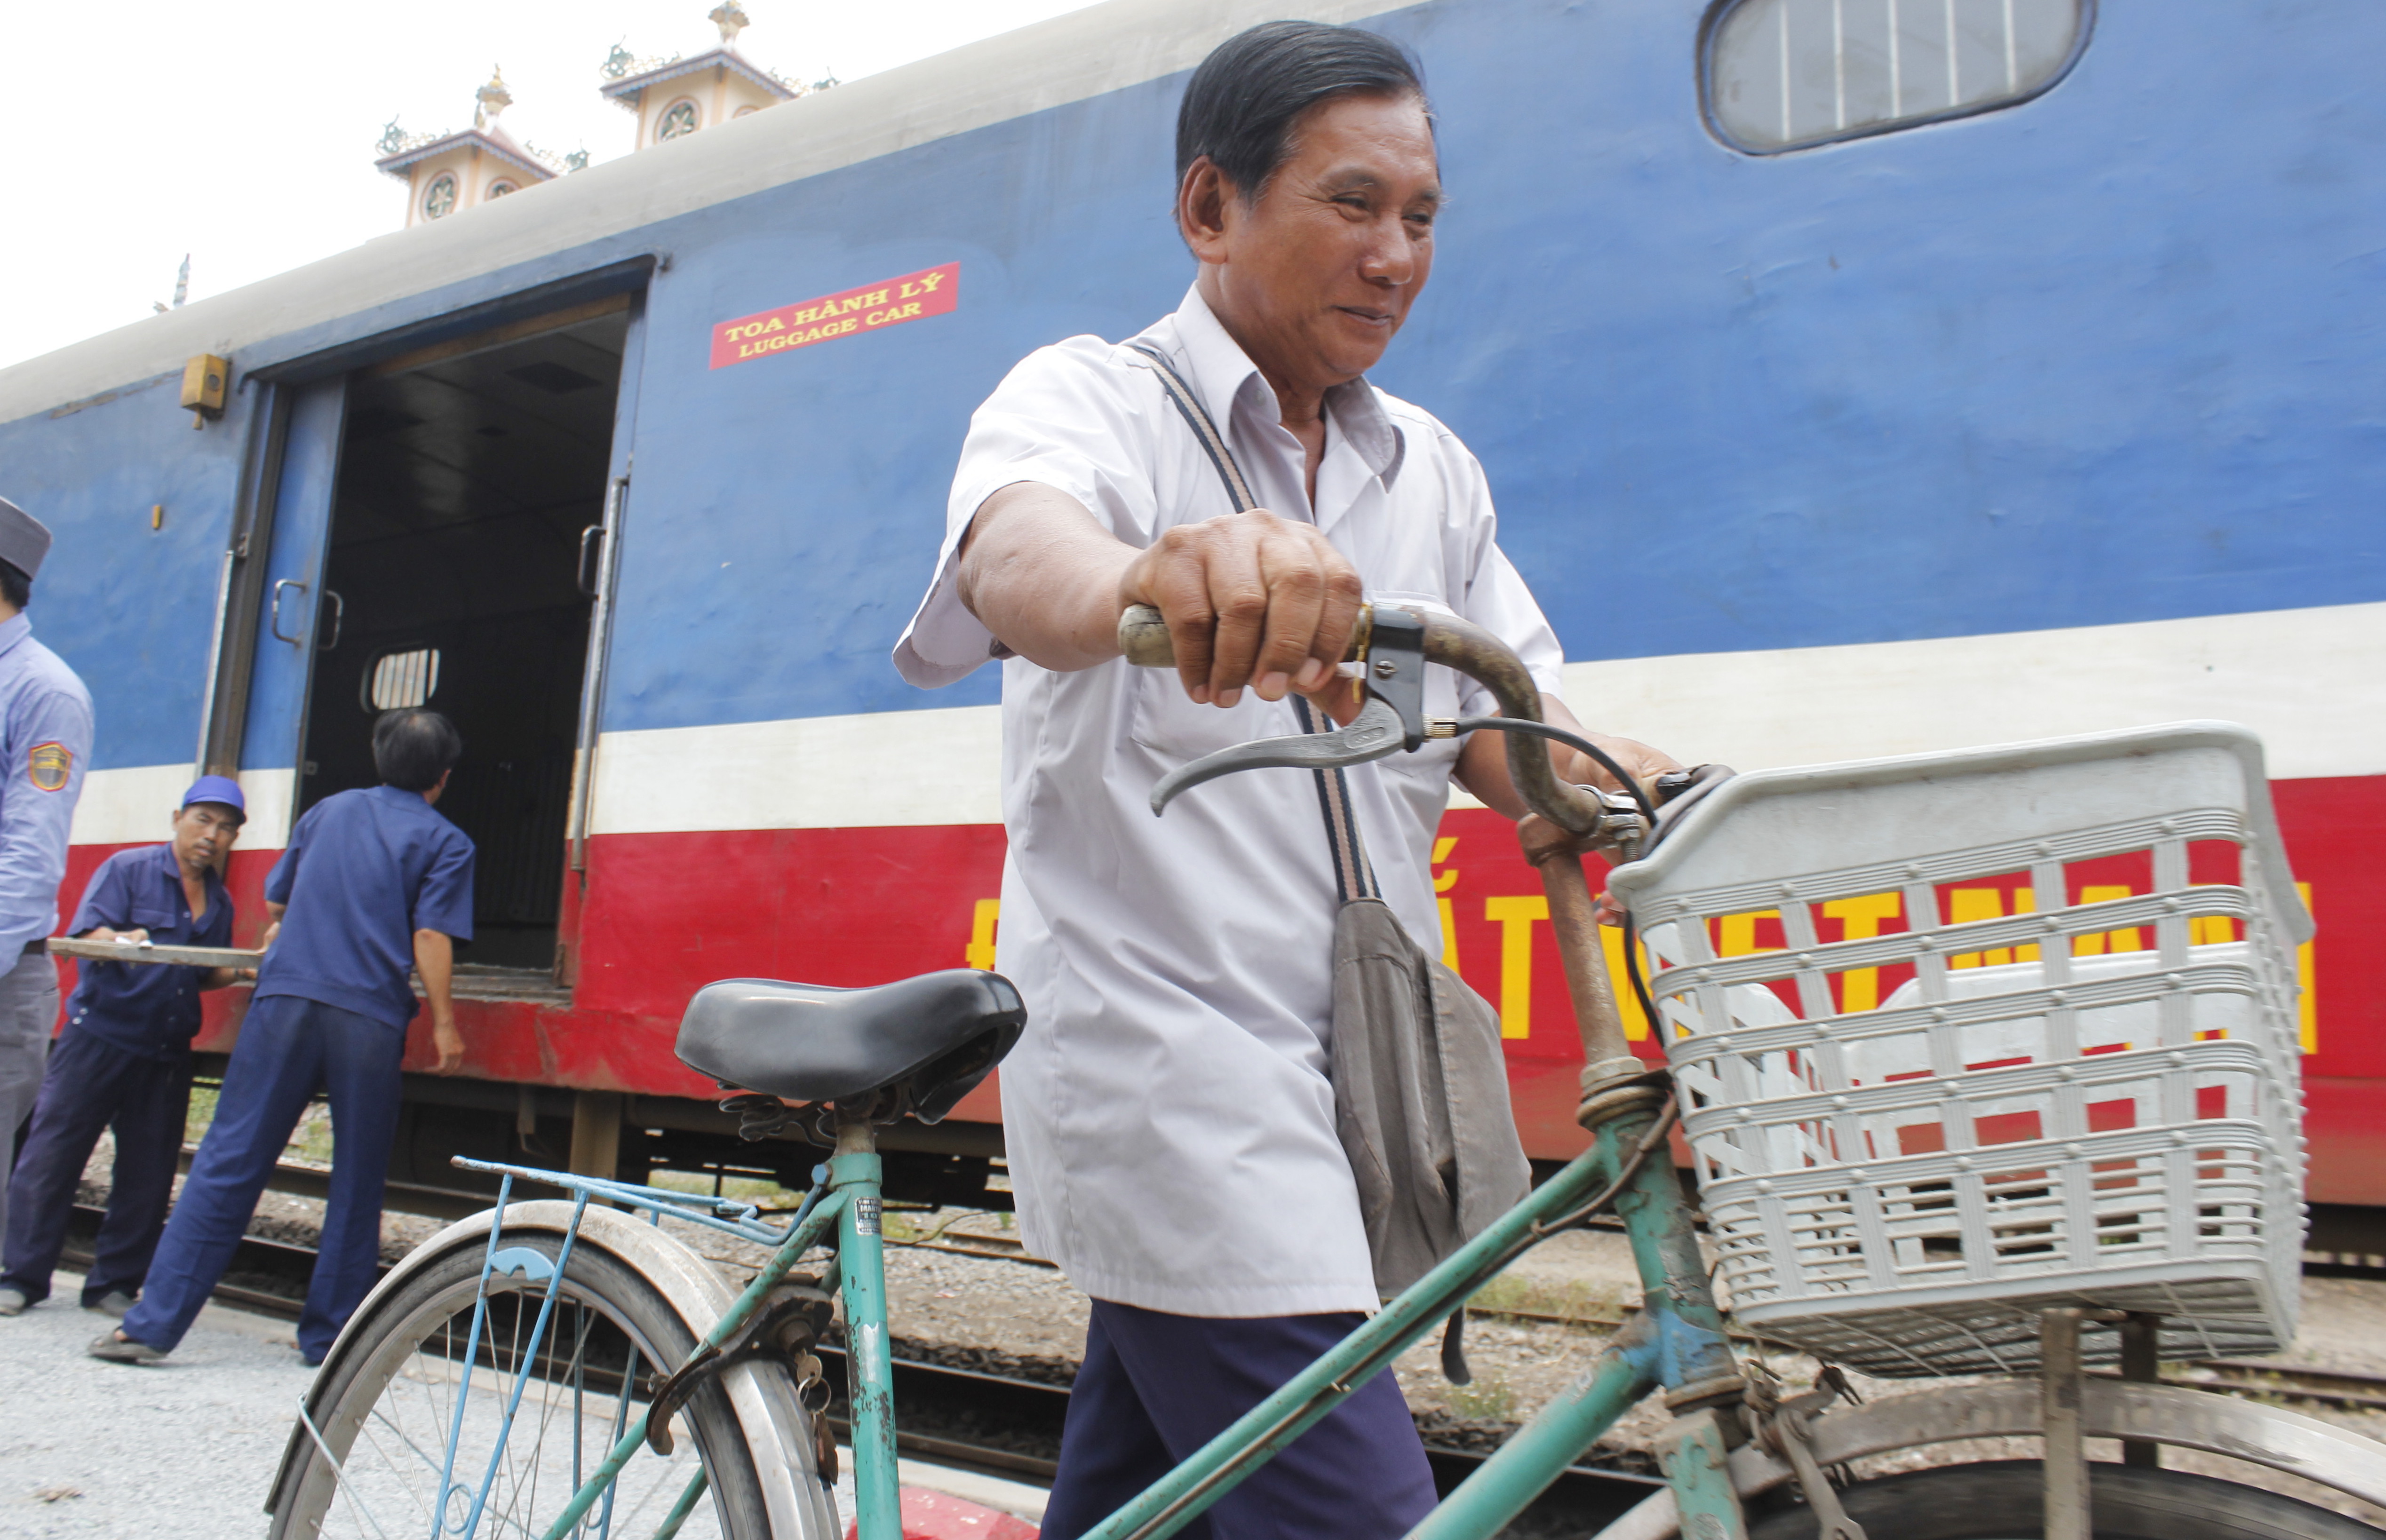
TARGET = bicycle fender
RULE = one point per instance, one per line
(798, 1504)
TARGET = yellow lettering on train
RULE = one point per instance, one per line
(1442, 882)
(1966, 905)
(979, 953)
(2305, 980)
(928, 282)
(1861, 918)
(1627, 1004)
(2105, 941)
(1515, 917)
(1735, 934)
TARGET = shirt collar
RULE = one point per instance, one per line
(161, 857)
(1222, 372)
(16, 629)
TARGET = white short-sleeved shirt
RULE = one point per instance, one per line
(1167, 1112)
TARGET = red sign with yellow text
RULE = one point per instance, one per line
(871, 308)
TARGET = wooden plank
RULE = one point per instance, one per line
(193, 957)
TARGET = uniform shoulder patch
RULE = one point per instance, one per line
(49, 766)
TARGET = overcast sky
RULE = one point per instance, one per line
(242, 132)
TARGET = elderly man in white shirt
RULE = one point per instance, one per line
(1168, 1114)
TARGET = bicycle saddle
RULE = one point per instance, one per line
(939, 1031)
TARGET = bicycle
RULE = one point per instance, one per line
(559, 1303)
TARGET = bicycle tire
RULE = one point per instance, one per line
(601, 1297)
(2004, 1500)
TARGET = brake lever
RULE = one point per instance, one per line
(1377, 734)
(1392, 719)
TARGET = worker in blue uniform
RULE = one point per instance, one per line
(123, 1059)
(373, 879)
(45, 749)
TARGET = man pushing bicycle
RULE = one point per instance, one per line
(1168, 1114)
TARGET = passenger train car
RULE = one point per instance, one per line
(1855, 377)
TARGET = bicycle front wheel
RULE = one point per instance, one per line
(412, 1443)
(2005, 1500)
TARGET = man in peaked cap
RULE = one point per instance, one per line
(124, 1058)
(45, 749)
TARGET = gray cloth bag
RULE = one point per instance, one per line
(1420, 1098)
(1420, 1083)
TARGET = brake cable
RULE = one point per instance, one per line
(1640, 798)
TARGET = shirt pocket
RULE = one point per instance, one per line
(1171, 723)
(155, 918)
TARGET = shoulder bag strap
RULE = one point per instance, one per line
(1353, 876)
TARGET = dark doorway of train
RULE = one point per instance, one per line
(467, 475)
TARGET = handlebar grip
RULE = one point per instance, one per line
(1143, 636)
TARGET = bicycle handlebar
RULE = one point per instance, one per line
(1455, 643)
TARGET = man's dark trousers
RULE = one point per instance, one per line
(90, 1086)
(1155, 1387)
(288, 1048)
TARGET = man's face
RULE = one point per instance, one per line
(1316, 276)
(203, 833)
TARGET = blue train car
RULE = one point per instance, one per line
(1854, 378)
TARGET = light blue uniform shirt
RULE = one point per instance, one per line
(45, 750)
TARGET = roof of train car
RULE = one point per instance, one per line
(1069, 58)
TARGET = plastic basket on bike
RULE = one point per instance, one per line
(1961, 1037)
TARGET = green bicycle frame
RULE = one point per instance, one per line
(1676, 1341)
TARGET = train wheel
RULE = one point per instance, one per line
(392, 1419)
(2003, 1500)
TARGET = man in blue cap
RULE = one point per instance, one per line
(373, 879)
(45, 749)
(124, 1061)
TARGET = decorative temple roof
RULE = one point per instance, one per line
(400, 151)
(626, 89)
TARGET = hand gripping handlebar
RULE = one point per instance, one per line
(1396, 698)
(1393, 647)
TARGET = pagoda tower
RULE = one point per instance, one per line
(676, 97)
(446, 172)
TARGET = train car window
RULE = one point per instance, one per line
(1785, 74)
(401, 677)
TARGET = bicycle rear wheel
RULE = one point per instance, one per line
(2004, 1500)
(393, 1413)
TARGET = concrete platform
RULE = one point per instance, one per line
(187, 1448)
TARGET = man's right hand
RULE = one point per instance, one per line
(1251, 600)
(449, 1045)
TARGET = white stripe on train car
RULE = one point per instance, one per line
(136, 805)
(888, 768)
(2306, 680)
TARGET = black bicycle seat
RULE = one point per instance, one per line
(941, 1032)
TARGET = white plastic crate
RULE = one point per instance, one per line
(1961, 1037)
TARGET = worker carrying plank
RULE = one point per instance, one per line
(373, 879)
(123, 1059)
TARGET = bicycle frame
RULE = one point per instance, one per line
(1677, 1342)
